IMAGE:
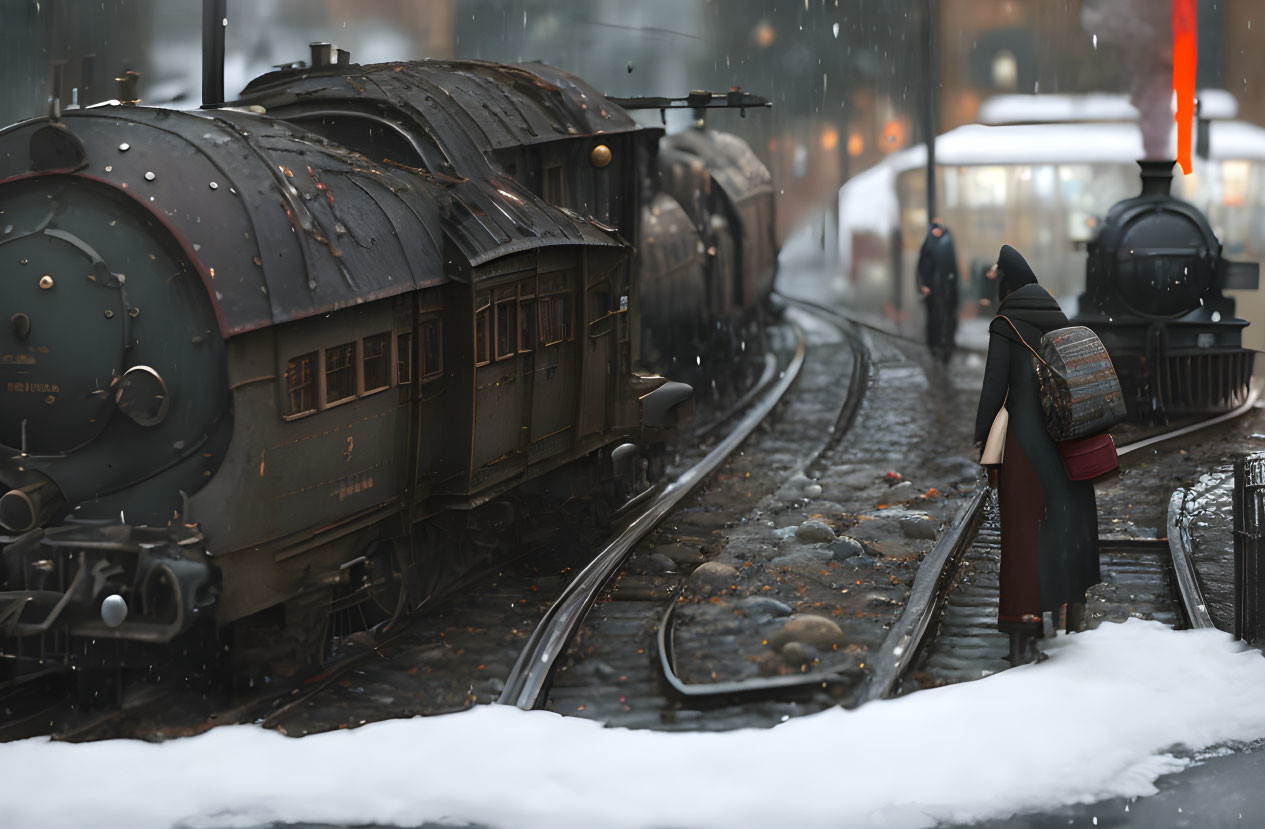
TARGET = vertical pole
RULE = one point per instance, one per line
(931, 75)
(214, 17)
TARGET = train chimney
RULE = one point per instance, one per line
(128, 84)
(327, 54)
(214, 21)
(1157, 177)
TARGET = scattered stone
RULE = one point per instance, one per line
(764, 606)
(812, 557)
(707, 520)
(901, 494)
(845, 547)
(957, 468)
(659, 563)
(860, 562)
(680, 553)
(926, 528)
(815, 531)
(812, 630)
(813, 490)
(713, 577)
(800, 653)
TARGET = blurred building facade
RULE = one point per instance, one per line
(849, 79)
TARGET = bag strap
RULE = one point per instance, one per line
(1022, 340)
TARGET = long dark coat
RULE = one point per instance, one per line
(938, 272)
(1049, 524)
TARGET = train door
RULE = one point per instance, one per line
(500, 391)
(423, 364)
(554, 392)
(599, 353)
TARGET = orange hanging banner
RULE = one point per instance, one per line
(1185, 62)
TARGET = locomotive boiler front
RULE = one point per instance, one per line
(1154, 287)
(113, 400)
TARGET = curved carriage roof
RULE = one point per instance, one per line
(281, 224)
(730, 161)
(466, 106)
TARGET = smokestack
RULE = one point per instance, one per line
(214, 21)
(1157, 177)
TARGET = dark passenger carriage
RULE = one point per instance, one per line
(276, 366)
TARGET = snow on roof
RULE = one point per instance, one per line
(1029, 109)
(1099, 719)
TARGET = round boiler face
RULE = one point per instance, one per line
(1163, 265)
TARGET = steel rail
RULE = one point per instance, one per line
(865, 322)
(530, 676)
(858, 383)
(907, 636)
(1180, 548)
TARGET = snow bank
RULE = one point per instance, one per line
(1098, 719)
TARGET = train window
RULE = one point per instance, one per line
(526, 325)
(506, 330)
(404, 358)
(376, 362)
(481, 332)
(599, 301)
(553, 188)
(555, 318)
(432, 349)
(340, 373)
(301, 385)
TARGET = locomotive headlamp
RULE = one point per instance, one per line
(113, 610)
(600, 156)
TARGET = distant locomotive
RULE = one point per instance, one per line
(302, 361)
(1154, 283)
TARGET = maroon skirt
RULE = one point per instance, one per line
(1021, 499)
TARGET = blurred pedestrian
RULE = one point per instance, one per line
(1049, 523)
(938, 281)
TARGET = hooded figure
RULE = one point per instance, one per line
(1049, 524)
(938, 281)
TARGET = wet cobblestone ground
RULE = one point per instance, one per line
(784, 566)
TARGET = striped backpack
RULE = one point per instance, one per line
(1080, 393)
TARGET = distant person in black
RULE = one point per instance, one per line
(938, 281)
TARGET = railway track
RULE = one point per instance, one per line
(507, 635)
(466, 652)
(948, 632)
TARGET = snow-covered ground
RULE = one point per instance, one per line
(1108, 713)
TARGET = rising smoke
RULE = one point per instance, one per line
(1143, 29)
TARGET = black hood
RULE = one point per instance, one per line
(1030, 304)
(1015, 271)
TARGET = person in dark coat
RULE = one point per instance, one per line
(1049, 523)
(938, 281)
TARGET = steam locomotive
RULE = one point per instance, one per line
(304, 360)
(1154, 282)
